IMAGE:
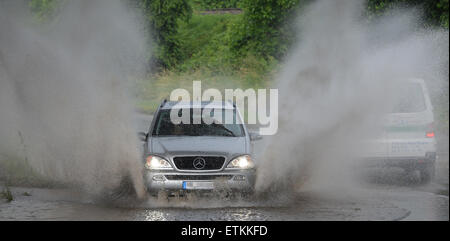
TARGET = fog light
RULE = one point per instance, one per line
(239, 178)
(159, 178)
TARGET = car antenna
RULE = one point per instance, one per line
(163, 102)
(232, 103)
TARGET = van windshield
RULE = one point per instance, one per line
(231, 128)
(409, 99)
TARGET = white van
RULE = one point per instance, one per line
(408, 139)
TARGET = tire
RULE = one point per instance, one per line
(427, 173)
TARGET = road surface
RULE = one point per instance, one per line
(382, 195)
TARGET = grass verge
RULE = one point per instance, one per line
(16, 172)
(7, 195)
(149, 92)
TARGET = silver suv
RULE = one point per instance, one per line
(208, 157)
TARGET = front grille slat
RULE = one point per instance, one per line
(198, 177)
(187, 162)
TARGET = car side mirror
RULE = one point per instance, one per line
(142, 136)
(255, 136)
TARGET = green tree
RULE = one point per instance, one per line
(264, 28)
(435, 11)
(161, 24)
(217, 4)
(45, 10)
(161, 17)
(441, 12)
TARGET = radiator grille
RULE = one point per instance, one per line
(199, 162)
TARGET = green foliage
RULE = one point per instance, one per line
(18, 172)
(149, 92)
(162, 19)
(206, 48)
(45, 10)
(223, 43)
(264, 29)
(442, 12)
(205, 44)
(435, 11)
(247, 44)
(216, 4)
(7, 195)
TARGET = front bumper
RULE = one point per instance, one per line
(233, 180)
(402, 162)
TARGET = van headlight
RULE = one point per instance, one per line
(242, 162)
(157, 163)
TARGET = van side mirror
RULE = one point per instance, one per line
(142, 136)
(255, 136)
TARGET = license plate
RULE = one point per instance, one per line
(198, 185)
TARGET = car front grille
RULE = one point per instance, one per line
(199, 163)
(198, 177)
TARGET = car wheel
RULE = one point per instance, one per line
(427, 174)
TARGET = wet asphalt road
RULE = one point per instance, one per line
(382, 195)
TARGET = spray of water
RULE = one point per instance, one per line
(337, 84)
(64, 105)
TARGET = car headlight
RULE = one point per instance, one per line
(157, 163)
(242, 162)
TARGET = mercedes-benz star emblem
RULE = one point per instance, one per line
(199, 163)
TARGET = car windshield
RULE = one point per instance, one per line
(231, 128)
(410, 99)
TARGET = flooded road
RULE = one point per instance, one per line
(378, 202)
(382, 195)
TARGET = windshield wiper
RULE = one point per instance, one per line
(225, 129)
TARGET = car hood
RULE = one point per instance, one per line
(199, 145)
